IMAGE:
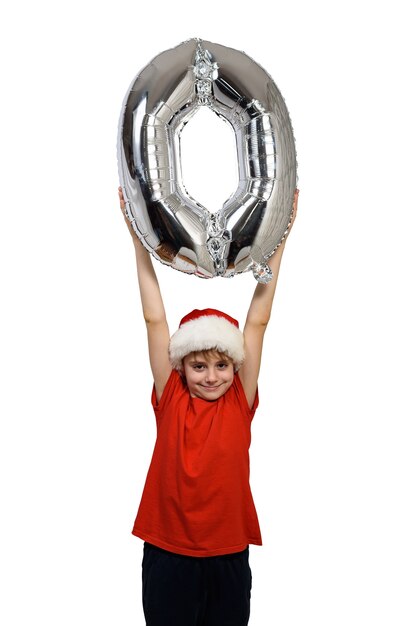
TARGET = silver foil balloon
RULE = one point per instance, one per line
(172, 225)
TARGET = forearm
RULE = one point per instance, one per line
(261, 304)
(150, 293)
(260, 307)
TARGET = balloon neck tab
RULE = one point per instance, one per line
(262, 272)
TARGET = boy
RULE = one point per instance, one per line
(197, 515)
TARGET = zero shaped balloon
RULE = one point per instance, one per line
(177, 229)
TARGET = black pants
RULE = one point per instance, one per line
(182, 590)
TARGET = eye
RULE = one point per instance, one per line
(222, 366)
(198, 366)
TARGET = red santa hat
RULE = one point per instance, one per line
(207, 329)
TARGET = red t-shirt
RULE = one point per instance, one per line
(197, 499)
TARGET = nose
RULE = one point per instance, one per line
(211, 375)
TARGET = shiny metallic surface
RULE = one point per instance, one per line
(173, 226)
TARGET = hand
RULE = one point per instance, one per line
(128, 223)
(293, 214)
(294, 209)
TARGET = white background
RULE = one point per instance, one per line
(333, 457)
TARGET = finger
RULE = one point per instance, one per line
(121, 199)
(295, 201)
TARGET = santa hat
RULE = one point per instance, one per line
(208, 329)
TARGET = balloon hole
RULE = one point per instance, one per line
(208, 159)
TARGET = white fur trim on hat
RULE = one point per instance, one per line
(208, 332)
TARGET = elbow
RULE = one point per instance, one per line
(152, 319)
(263, 323)
(259, 321)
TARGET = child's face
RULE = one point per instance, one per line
(208, 374)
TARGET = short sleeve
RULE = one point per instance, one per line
(242, 397)
(173, 386)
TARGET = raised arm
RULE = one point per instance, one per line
(153, 310)
(257, 320)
